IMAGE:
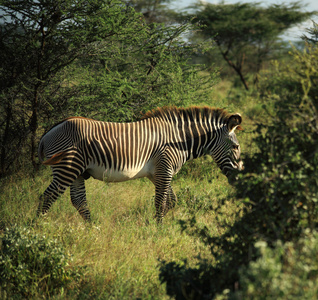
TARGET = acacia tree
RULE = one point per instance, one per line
(246, 33)
(69, 57)
(153, 10)
(313, 34)
(40, 38)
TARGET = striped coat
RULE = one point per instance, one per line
(155, 147)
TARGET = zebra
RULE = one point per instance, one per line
(155, 147)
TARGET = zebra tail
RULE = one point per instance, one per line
(55, 159)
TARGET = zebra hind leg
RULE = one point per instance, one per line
(53, 191)
(60, 183)
(161, 207)
(78, 198)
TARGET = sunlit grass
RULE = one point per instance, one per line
(121, 249)
(119, 252)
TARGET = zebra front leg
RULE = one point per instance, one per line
(160, 204)
(171, 199)
(162, 188)
(78, 198)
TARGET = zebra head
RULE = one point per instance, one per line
(228, 151)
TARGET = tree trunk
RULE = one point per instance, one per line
(239, 72)
(34, 127)
(238, 69)
(5, 138)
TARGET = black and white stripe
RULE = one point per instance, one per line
(155, 147)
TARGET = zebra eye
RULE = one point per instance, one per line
(235, 147)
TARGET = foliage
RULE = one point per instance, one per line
(281, 184)
(153, 11)
(184, 282)
(31, 264)
(119, 251)
(278, 187)
(38, 39)
(97, 58)
(149, 78)
(313, 34)
(247, 34)
(286, 271)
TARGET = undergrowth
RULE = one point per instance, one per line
(119, 253)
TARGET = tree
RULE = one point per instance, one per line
(246, 34)
(154, 11)
(313, 32)
(40, 38)
(62, 58)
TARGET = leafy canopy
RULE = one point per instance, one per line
(93, 58)
(247, 33)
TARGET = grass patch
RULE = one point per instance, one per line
(120, 251)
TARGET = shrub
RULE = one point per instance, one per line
(281, 183)
(31, 264)
(279, 187)
(287, 271)
(184, 282)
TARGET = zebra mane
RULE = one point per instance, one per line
(192, 113)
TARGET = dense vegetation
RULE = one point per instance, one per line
(98, 59)
(109, 60)
(278, 188)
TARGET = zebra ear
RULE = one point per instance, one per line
(234, 121)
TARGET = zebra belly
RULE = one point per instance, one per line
(111, 175)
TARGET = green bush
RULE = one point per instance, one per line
(32, 265)
(279, 186)
(287, 271)
(280, 183)
(184, 282)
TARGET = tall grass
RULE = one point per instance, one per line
(119, 252)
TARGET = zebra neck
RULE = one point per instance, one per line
(197, 139)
